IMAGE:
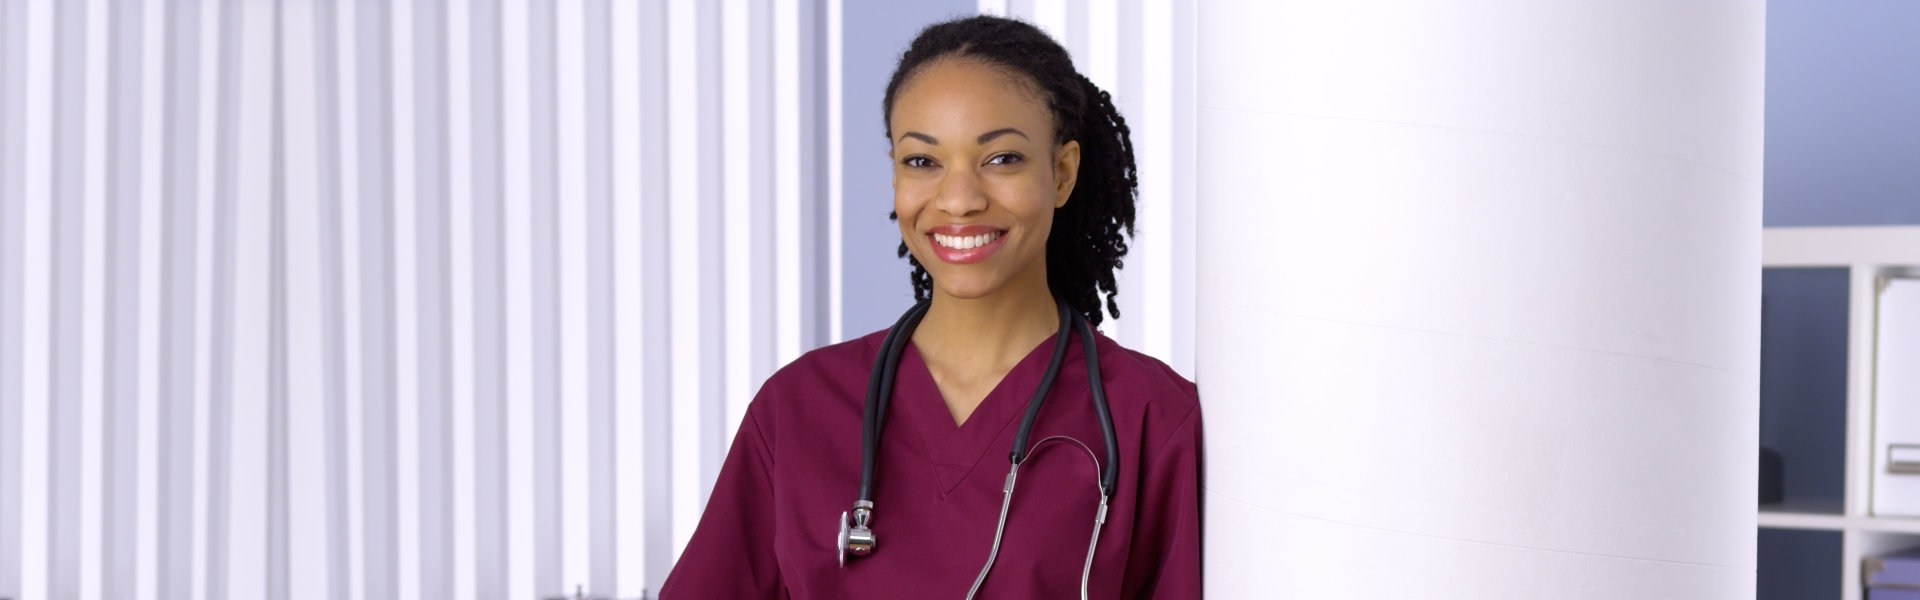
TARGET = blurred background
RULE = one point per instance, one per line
(464, 298)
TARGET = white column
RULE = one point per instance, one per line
(1478, 297)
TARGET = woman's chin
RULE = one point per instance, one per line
(970, 290)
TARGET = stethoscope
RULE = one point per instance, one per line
(858, 538)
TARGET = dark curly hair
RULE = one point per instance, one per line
(1089, 235)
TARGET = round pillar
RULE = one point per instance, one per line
(1478, 297)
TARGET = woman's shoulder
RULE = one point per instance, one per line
(1128, 373)
(828, 371)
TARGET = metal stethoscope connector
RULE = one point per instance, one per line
(857, 537)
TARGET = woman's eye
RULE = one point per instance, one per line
(916, 162)
(1005, 159)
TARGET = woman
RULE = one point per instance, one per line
(1013, 183)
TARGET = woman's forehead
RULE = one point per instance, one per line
(958, 95)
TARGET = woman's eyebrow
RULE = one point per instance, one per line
(984, 137)
(988, 136)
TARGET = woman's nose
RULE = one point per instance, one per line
(961, 193)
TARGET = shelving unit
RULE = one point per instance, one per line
(1866, 253)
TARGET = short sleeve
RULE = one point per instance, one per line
(1165, 557)
(729, 555)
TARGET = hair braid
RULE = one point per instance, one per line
(1089, 235)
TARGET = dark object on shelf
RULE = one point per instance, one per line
(1772, 490)
(1894, 576)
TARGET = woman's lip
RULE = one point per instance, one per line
(967, 256)
(963, 230)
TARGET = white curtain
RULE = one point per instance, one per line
(434, 299)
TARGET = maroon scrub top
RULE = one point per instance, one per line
(771, 527)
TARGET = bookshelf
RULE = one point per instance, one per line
(1864, 254)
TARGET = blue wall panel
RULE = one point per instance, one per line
(1843, 113)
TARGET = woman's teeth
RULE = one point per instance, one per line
(968, 242)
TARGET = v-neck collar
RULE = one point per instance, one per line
(956, 449)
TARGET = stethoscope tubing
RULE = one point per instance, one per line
(880, 389)
(1109, 477)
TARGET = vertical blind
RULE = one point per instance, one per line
(432, 299)
(436, 298)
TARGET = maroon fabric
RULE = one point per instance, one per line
(772, 524)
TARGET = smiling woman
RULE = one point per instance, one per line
(1014, 192)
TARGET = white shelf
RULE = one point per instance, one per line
(1825, 515)
(1839, 246)
(1866, 253)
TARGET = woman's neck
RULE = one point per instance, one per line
(1008, 323)
(969, 344)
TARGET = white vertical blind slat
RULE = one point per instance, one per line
(408, 292)
(65, 351)
(490, 570)
(152, 215)
(656, 306)
(94, 339)
(831, 49)
(736, 131)
(123, 293)
(1151, 108)
(380, 550)
(240, 446)
(783, 143)
(432, 282)
(217, 406)
(596, 116)
(254, 540)
(351, 327)
(712, 433)
(1182, 170)
(34, 370)
(575, 298)
(544, 266)
(301, 228)
(629, 290)
(520, 355)
(683, 263)
(460, 98)
(328, 201)
(13, 138)
(280, 546)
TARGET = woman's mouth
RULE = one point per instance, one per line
(971, 245)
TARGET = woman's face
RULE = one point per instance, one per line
(976, 176)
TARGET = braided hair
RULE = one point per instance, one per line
(1089, 235)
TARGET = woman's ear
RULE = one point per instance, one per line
(1066, 171)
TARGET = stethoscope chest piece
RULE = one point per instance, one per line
(857, 536)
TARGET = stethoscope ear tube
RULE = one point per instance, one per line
(1019, 452)
(1110, 472)
(879, 387)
